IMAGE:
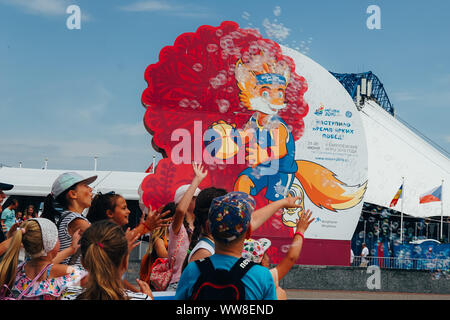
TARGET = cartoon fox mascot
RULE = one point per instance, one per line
(262, 83)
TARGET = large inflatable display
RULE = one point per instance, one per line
(263, 119)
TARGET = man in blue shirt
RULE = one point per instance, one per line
(8, 217)
(229, 222)
(3, 187)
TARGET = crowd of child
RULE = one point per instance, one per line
(200, 246)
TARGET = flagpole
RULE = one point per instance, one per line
(401, 214)
(154, 159)
(442, 208)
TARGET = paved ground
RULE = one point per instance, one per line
(133, 273)
(360, 295)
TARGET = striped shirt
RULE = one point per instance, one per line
(65, 238)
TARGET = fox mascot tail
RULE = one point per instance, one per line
(325, 190)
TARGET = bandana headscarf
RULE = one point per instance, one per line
(49, 234)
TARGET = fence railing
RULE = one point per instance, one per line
(402, 263)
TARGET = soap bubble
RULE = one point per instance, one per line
(212, 47)
(227, 42)
(285, 248)
(277, 11)
(219, 32)
(184, 103)
(276, 224)
(223, 104)
(275, 30)
(197, 67)
(194, 104)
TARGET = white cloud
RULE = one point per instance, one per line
(130, 130)
(170, 8)
(93, 108)
(42, 7)
(148, 6)
(404, 96)
(46, 7)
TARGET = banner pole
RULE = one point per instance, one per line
(442, 208)
(401, 214)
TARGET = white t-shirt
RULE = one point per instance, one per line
(365, 252)
(203, 243)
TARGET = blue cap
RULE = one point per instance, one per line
(229, 215)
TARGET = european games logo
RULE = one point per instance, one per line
(328, 112)
(319, 111)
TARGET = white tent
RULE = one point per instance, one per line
(38, 182)
(395, 151)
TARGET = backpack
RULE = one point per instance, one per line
(162, 270)
(220, 284)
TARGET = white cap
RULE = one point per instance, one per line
(67, 180)
(181, 191)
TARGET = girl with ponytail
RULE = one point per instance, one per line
(70, 196)
(112, 206)
(39, 238)
(104, 254)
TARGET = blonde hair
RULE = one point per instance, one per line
(103, 248)
(157, 234)
(32, 243)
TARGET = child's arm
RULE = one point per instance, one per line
(263, 214)
(63, 254)
(183, 205)
(296, 246)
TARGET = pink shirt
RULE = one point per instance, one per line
(179, 254)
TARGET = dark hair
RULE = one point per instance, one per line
(103, 247)
(201, 210)
(54, 206)
(9, 202)
(100, 204)
(170, 206)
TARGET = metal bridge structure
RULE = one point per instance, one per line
(351, 82)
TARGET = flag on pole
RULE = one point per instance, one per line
(432, 195)
(397, 196)
(149, 169)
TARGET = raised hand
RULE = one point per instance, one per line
(145, 288)
(155, 219)
(304, 221)
(132, 237)
(290, 202)
(199, 171)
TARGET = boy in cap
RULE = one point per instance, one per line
(229, 221)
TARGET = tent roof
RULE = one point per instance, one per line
(38, 182)
(395, 151)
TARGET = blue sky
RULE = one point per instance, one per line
(70, 95)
